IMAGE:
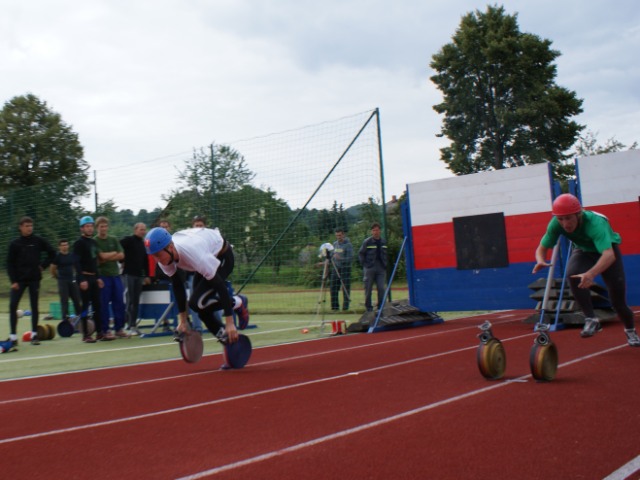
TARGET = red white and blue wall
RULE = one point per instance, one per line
(471, 239)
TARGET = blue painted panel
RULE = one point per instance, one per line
(492, 289)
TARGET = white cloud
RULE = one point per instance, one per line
(140, 80)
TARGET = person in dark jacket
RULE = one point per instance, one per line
(135, 270)
(373, 257)
(63, 270)
(27, 257)
(341, 272)
(85, 250)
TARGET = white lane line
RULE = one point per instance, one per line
(626, 470)
(237, 397)
(270, 362)
(172, 344)
(367, 426)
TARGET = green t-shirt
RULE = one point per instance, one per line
(109, 244)
(594, 233)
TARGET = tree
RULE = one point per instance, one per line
(37, 147)
(501, 105)
(587, 145)
(42, 169)
(207, 176)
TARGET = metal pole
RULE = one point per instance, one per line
(388, 292)
(213, 222)
(95, 190)
(384, 203)
(295, 218)
(547, 287)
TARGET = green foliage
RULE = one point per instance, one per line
(501, 106)
(37, 147)
(42, 170)
(587, 145)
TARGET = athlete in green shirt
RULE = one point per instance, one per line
(596, 252)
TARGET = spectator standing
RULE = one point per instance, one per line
(27, 257)
(199, 222)
(85, 251)
(135, 271)
(373, 257)
(341, 270)
(112, 294)
(63, 270)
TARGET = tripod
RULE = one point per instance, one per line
(328, 264)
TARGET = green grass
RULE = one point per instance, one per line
(278, 312)
(70, 354)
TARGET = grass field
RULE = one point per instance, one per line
(274, 317)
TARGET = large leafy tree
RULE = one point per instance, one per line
(501, 105)
(38, 147)
(42, 169)
(207, 176)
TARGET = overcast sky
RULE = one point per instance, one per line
(138, 80)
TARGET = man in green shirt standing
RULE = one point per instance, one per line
(110, 252)
(596, 251)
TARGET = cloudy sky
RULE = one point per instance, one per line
(142, 79)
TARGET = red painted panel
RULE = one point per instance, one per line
(434, 245)
(523, 235)
(624, 219)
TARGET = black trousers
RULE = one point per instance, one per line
(581, 261)
(205, 298)
(14, 301)
(91, 297)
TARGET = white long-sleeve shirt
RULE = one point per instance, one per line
(197, 249)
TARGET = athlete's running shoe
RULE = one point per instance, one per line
(632, 337)
(591, 327)
(243, 313)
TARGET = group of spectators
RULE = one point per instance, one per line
(100, 275)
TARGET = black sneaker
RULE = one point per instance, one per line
(222, 336)
(34, 340)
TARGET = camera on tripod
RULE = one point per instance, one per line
(326, 251)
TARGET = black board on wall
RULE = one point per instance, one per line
(481, 241)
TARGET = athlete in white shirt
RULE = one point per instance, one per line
(206, 253)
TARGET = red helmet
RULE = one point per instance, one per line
(566, 204)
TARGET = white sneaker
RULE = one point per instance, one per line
(134, 332)
(591, 327)
(632, 337)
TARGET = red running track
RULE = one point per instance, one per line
(406, 404)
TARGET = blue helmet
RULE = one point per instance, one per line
(157, 239)
(85, 220)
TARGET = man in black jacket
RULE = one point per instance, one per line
(28, 256)
(135, 271)
(85, 250)
(373, 257)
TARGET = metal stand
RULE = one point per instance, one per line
(328, 263)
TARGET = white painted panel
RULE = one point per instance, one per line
(514, 191)
(610, 178)
(154, 297)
